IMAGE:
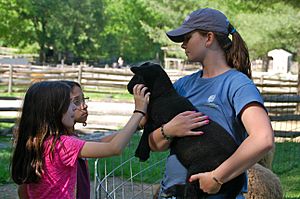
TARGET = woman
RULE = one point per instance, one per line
(223, 91)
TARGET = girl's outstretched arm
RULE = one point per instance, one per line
(121, 139)
(108, 138)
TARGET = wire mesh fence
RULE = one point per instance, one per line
(126, 177)
(134, 186)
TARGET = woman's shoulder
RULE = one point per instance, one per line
(238, 78)
(189, 77)
(235, 73)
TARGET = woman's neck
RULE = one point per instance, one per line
(214, 66)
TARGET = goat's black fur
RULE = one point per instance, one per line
(197, 153)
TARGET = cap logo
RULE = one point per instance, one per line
(227, 22)
(187, 18)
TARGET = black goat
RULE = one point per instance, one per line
(197, 153)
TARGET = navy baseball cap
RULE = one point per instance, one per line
(206, 19)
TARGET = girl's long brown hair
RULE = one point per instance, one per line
(43, 107)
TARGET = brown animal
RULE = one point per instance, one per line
(267, 160)
(263, 184)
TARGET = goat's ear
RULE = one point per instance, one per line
(134, 69)
(147, 70)
(136, 79)
(141, 68)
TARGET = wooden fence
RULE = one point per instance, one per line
(280, 91)
(17, 78)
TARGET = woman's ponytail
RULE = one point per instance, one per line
(237, 55)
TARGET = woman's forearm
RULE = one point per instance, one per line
(249, 152)
(253, 148)
(179, 126)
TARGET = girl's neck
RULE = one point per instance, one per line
(214, 66)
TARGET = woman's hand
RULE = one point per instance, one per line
(182, 124)
(207, 182)
(141, 98)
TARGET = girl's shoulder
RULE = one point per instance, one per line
(61, 138)
(64, 140)
(71, 139)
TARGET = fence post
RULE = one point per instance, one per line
(10, 80)
(79, 73)
(298, 90)
(262, 83)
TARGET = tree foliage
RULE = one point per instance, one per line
(104, 29)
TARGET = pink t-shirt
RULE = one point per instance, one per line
(59, 177)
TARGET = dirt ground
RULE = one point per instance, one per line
(8, 191)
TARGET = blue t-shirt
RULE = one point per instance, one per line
(221, 98)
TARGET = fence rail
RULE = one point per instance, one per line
(280, 91)
(12, 77)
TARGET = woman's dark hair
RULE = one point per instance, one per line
(43, 108)
(236, 51)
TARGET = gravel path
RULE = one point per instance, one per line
(8, 191)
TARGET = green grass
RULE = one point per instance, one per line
(286, 165)
(5, 125)
(4, 165)
(111, 97)
(5, 157)
(20, 95)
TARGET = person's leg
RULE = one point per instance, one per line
(240, 196)
(219, 196)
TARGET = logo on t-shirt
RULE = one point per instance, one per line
(211, 98)
(210, 101)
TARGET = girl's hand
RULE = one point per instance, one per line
(182, 124)
(141, 98)
(206, 182)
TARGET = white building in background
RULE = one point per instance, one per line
(282, 61)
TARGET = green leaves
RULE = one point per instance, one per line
(105, 29)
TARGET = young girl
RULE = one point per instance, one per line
(46, 153)
(224, 92)
(80, 116)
